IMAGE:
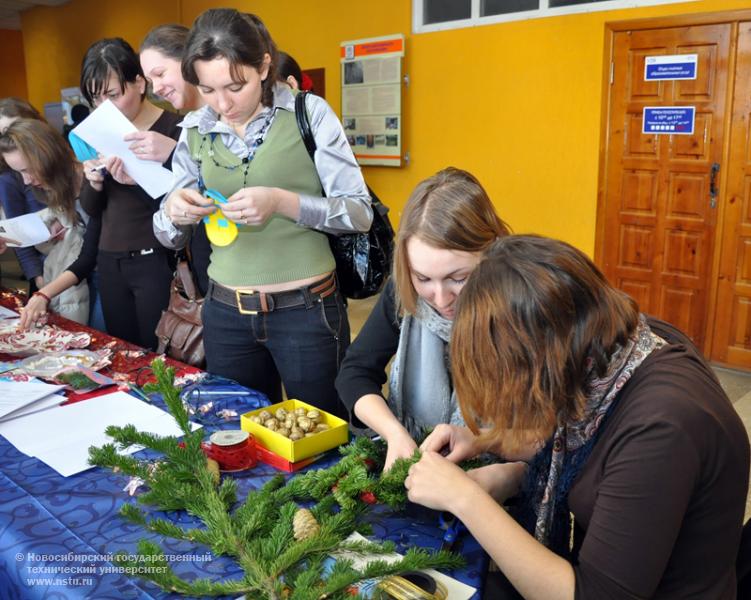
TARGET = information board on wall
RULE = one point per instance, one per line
(372, 98)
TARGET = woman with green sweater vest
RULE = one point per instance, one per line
(273, 313)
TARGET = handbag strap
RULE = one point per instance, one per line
(186, 278)
(303, 124)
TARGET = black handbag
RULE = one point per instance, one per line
(363, 260)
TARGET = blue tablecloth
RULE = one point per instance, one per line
(56, 532)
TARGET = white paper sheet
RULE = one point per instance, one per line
(16, 394)
(27, 230)
(104, 129)
(6, 313)
(60, 437)
(51, 401)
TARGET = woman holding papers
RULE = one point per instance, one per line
(41, 156)
(135, 270)
(16, 197)
(273, 312)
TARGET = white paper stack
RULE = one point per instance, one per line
(21, 398)
(60, 437)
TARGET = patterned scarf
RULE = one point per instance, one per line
(554, 469)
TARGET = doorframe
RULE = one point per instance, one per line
(611, 28)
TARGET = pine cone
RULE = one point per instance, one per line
(304, 524)
(213, 468)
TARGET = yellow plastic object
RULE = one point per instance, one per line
(220, 230)
(337, 435)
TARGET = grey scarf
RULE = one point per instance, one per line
(420, 391)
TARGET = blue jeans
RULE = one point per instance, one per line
(301, 347)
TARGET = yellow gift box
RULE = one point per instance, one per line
(336, 435)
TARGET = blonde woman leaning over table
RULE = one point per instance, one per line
(44, 161)
(273, 312)
(638, 463)
(17, 198)
(446, 225)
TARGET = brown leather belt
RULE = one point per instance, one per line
(251, 302)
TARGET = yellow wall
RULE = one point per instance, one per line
(13, 80)
(518, 104)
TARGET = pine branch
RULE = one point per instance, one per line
(258, 534)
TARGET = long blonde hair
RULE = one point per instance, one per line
(50, 159)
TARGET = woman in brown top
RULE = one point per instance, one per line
(628, 435)
(135, 270)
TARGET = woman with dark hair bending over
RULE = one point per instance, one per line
(135, 271)
(626, 428)
(273, 312)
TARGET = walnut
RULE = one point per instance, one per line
(305, 424)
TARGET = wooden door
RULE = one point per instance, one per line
(656, 226)
(732, 325)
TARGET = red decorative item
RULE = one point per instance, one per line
(234, 450)
(368, 497)
(306, 85)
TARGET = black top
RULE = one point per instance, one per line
(363, 370)
(127, 210)
(86, 261)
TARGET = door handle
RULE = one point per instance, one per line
(713, 185)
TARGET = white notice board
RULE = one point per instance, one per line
(372, 98)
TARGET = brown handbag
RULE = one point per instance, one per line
(180, 330)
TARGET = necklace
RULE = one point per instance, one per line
(244, 163)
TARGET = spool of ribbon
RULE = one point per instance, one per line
(234, 450)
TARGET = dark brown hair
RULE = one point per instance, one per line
(450, 211)
(167, 39)
(241, 38)
(288, 66)
(107, 57)
(50, 159)
(534, 320)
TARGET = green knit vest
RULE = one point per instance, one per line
(280, 250)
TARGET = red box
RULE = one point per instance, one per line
(267, 456)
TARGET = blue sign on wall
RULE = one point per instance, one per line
(669, 68)
(669, 120)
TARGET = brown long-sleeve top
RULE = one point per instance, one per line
(659, 503)
(126, 210)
